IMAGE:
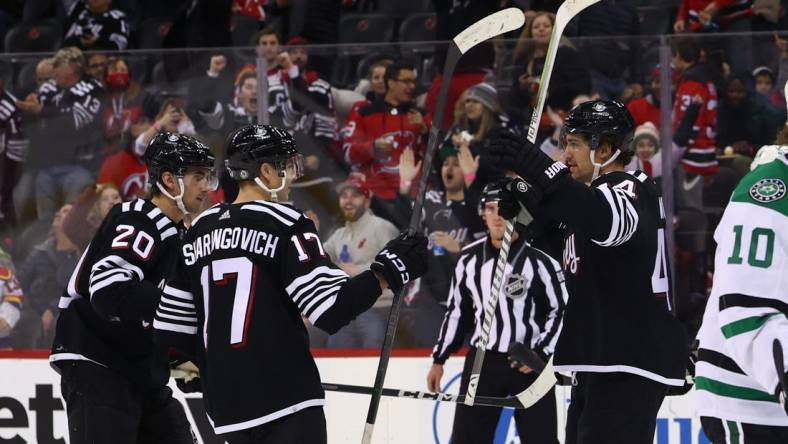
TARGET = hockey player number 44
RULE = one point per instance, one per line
(219, 273)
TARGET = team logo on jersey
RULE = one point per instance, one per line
(515, 286)
(173, 138)
(768, 190)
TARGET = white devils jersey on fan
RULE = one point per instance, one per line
(735, 375)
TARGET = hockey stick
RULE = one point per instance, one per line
(568, 10)
(510, 401)
(486, 28)
(779, 366)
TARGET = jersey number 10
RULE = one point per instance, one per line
(756, 236)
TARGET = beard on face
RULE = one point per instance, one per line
(352, 213)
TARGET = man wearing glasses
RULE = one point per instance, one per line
(376, 134)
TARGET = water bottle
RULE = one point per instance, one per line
(344, 255)
(437, 250)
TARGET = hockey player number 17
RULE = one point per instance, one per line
(219, 274)
(757, 237)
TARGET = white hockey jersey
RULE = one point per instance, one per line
(735, 375)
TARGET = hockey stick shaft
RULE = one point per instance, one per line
(779, 366)
(486, 28)
(511, 401)
(489, 314)
(396, 304)
(566, 12)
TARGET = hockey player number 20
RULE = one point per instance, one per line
(220, 273)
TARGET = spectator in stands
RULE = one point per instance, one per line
(97, 66)
(216, 86)
(124, 107)
(171, 118)
(85, 217)
(44, 70)
(44, 275)
(313, 100)
(353, 248)
(746, 120)
(11, 299)
(94, 25)
(700, 157)
(376, 134)
(720, 15)
(69, 106)
(480, 113)
(13, 151)
(227, 117)
(647, 108)
(765, 85)
(450, 220)
(614, 61)
(374, 85)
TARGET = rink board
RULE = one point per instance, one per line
(31, 408)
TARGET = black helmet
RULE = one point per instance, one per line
(175, 153)
(601, 120)
(253, 145)
(492, 193)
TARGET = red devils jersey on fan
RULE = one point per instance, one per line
(127, 172)
(644, 110)
(107, 308)
(248, 273)
(381, 120)
(700, 157)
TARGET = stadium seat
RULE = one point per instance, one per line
(365, 28)
(40, 37)
(418, 28)
(26, 78)
(404, 7)
(152, 31)
(243, 30)
(654, 20)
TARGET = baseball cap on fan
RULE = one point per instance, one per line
(357, 184)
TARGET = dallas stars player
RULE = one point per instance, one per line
(738, 394)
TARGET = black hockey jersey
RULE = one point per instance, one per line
(619, 317)
(248, 273)
(13, 141)
(107, 308)
(110, 28)
(460, 219)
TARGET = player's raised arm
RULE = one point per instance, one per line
(326, 295)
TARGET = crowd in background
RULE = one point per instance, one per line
(76, 118)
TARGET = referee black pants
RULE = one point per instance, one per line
(302, 427)
(105, 407)
(476, 425)
(613, 408)
(732, 432)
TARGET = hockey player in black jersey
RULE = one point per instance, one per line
(248, 273)
(113, 377)
(619, 339)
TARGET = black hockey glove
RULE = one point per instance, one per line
(518, 199)
(510, 152)
(403, 259)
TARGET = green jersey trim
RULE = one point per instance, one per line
(745, 325)
(733, 391)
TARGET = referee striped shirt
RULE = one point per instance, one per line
(530, 306)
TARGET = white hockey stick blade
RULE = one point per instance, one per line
(540, 387)
(501, 22)
(566, 12)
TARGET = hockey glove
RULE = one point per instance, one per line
(511, 153)
(518, 199)
(403, 259)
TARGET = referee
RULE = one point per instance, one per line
(529, 311)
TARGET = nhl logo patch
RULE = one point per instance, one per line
(768, 190)
(515, 286)
(522, 187)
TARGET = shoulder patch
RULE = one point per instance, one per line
(5, 274)
(768, 190)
